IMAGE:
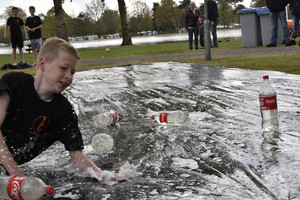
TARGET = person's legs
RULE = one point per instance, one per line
(34, 51)
(195, 30)
(202, 35)
(36, 44)
(21, 54)
(14, 54)
(286, 33)
(214, 34)
(274, 22)
(190, 31)
(295, 26)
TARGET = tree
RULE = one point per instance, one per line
(49, 24)
(139, 8)
(155, 6)
(111, 20)
(223, 9)
(237, 16)
(133, 24)
(258, 3)
(82, 25)
(168, 17)
(145, 23)
(61, 28)
(124, 24)
(184, 5)
(95, 9)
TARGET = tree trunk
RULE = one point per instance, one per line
(124, 23)
(61, 28)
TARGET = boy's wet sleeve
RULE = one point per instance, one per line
(3, 86)
(70, 133)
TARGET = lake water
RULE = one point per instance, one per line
(231, 33)
(220, 154)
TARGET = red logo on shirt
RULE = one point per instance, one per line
(39, 124)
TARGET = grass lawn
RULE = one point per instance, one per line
(283, 63)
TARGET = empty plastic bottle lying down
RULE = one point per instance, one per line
(175, 118)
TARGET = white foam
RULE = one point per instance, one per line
(128, 171)
(185, 163)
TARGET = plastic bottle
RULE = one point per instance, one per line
(268, 106)
(102, 143)
(175, 118)
(107, 118)
(23, 188)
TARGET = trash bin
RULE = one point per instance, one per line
(257, 27)
(250, 23)
(266, 27)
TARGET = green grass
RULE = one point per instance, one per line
(283, 63)
(142, 50)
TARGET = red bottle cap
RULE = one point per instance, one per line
(152, 117)
(49, 190)
(266, 77)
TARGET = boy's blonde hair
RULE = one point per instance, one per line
(53, 46)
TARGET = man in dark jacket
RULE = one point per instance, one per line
(277, 9)
(295, 10)
(190, 22)
(213, 17)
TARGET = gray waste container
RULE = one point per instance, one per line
(266, 27)
(250, 23)
(257, 27)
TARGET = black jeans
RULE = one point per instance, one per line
(193, 31)
(201, 33)
(214, 33)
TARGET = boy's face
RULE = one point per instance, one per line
(32, 11)
(59, 73)
(15, 12)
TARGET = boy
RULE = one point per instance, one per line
(34, 114)
(34, 25)
(200, 25)
(16, 23)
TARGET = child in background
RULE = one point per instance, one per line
(15, 24)
(200, 25)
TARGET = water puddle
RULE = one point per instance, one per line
(220, 154)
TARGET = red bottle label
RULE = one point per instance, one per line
(163, 117)
(14, 187)
(115, 115)
(268, 103)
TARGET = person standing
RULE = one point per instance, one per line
(16, 24)
(295, 10)
(213, 17)
(200, 24)
(34, 25)
(277, 9)
(190, 22)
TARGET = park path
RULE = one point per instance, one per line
(201, 53)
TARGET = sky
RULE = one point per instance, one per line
(76, 6)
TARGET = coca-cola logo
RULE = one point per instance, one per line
(268, 103)
(271, 101)
(15, 189)
(14, 186)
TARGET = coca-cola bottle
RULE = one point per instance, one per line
(23, 188)
(268, 106)
(175, 118)
(107, 118)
